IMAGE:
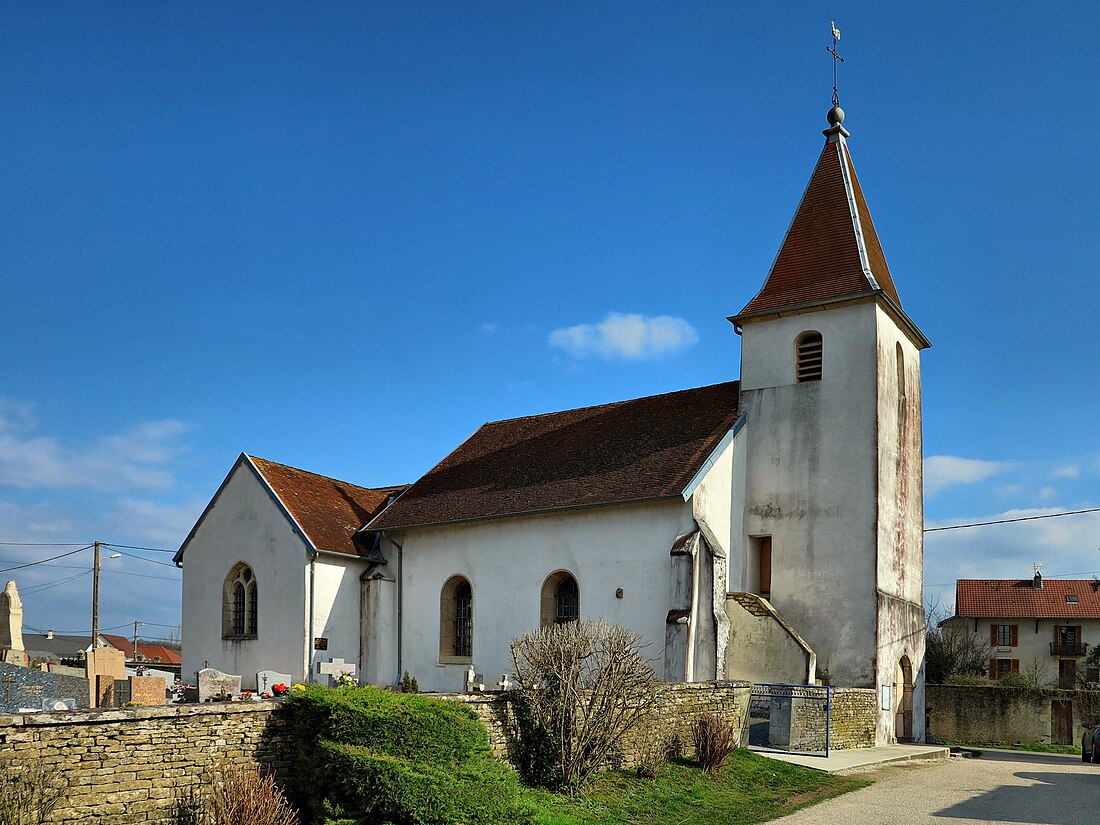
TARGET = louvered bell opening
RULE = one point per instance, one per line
(809, 353)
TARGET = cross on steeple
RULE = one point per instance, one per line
(836, 59)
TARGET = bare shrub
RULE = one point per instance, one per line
(28, 792)
(654, 741)
(581, 687)
(950, 650)
(715, 739)
(241, 795)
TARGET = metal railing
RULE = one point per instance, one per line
(1068, 648)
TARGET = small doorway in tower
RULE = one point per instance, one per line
(762, 564)
(903, 708)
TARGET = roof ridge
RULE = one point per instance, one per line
(608, 404)
(255, 458)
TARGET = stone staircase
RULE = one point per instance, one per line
(756, 605)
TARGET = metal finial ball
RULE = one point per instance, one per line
(835, 116)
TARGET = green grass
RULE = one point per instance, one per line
(751, 788)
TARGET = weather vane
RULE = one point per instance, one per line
(836, 59)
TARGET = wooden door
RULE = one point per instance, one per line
(1061, 722)
(765, 566)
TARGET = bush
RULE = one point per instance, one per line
(379, 756)
(654, 742)
(409, 684)
(241, 795)
(715, 739)
(28, 793)
(582, 687)
(968, 680)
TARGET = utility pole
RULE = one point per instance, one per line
(136, 623)
(95, 599)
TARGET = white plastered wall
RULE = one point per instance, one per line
(812, 481)
(244, 523)
(506, 562)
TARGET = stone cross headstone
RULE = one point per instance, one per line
(504, 683)
(215, 686)
(334, 668)
(11, 618)
(267, 679)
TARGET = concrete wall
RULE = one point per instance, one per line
(506, 562)
(762, 651)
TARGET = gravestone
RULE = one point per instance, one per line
(108, 663)
(215, 686)
(147, 690)
(23, 689)
(334, 668)
(57, 705)
(267, 679)
(11, 619)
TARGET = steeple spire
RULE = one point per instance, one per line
(831, 252)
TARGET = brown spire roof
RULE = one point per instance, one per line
(831, 251)
(635, 450)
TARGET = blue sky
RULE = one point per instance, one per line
(341, 236)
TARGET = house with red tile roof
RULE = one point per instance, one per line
(767, 528)
(144, 653)
(1043, 626)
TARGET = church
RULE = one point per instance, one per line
(767, 529)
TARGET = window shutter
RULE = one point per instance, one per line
(992, 668)
(1015, 665)
(1015, 635)
(1077, 638)
(993, 635)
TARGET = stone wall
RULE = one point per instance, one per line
(131, 766)
(854, 714)
(997, 715)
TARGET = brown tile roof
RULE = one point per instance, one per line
(1011, 598)
(153, 654)
(821, 258)
(329, 511)
(634, 450)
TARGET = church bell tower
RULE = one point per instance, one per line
(830, 390)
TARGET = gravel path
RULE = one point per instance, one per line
(1000, 786)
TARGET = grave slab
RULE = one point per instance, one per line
(215, 686)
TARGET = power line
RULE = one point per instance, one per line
(132, 547)
(1011, 520)
(43, 561)
(40, 587)
(139, 558)
(40, 544)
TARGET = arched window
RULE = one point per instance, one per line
(240, 604)
(561, 599)
(456, 620)
(809, 355)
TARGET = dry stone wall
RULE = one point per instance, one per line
(999, 715)
(134, 765)
(131, 766)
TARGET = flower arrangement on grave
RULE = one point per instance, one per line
(298, 686)
(345, 679)
(246, 695)
(280, 689)
(265, 695)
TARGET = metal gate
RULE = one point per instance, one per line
(789, 718)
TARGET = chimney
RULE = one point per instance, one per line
(1037, 582)
(49, 634)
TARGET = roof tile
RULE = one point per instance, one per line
(1011, 598)
(329, 511)
(633, 450)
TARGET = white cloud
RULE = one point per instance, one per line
(130, 460)
(1066, 546)
(626, 336)
(942, 471)
(1047, 494)
(163, 525)
(1069, 471)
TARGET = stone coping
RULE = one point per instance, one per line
(103, 715)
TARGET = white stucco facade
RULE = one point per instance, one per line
(506, 562)
(246, 523)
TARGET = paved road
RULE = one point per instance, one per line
(999, 787)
